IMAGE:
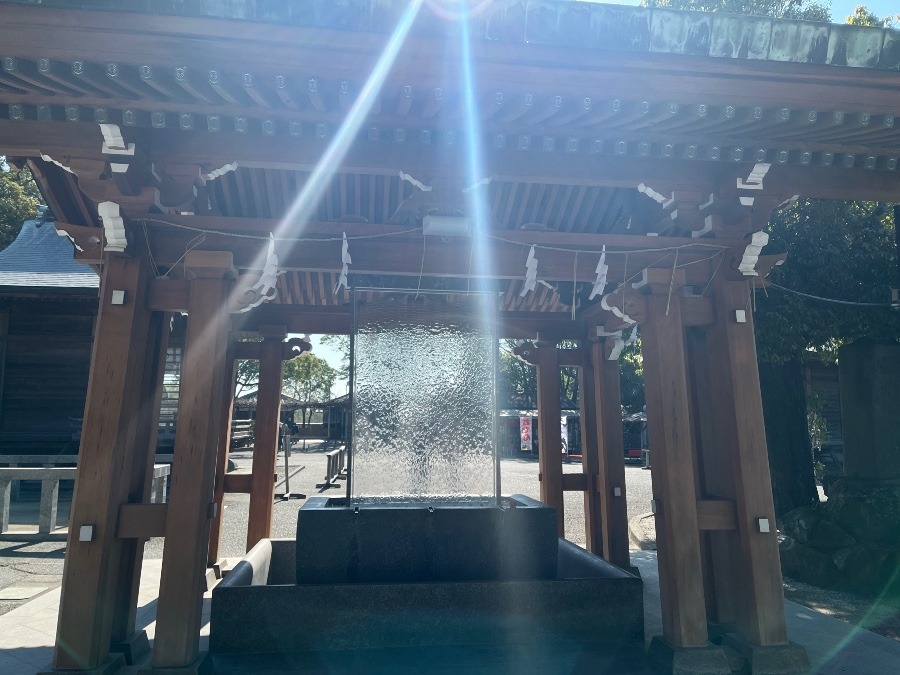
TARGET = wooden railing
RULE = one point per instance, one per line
(48, 470)
(241, 433)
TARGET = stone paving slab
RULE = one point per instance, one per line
(834, 646)
(21, 592)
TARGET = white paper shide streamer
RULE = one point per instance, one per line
(530, 273)
(345, 265)
(253, 292)
(620, 343)
(600, 282)
(747, 266)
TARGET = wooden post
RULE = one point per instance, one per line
(139, 489)
(182, 583)
(550, 459)
(111, 457)
(215, 524)
(741, 441)
(713, 479)
(611, 451)
(590, 460)
(671, 444)
(265, 437)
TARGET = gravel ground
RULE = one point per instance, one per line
(28, 562)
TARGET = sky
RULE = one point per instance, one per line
(333, 358)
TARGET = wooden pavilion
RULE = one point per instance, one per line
(170, 139)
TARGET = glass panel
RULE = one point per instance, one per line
(423, 397)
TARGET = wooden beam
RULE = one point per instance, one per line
(716, 514)
(237, 483)
(674, 491)
(415, 255)
(142, 521)
(570, 357)
(549, 439)
(193, 471)
(111, 460)
(249, 351)
(576, 482)
(318, 229)
(265, 435)
(168, 295)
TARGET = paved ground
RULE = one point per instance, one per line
(31, 570)
(30, 565)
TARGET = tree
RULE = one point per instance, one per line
(247, 375)
(19, 201)
(341, 344)
(631, 379)
(807, 10)
(863, 17)
(517, 385)
(309, 379)
(836, 249)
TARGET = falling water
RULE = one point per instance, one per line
(424, 407)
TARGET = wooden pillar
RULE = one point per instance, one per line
(713, 479)
(741, 440)
(674, 492)
(590, 459)
(610, 482)
(215, 524)
(550, 458)
(265, 435)
(193, 471)
(112, 460)
(145, 432)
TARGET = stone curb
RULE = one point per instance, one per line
(635, 531)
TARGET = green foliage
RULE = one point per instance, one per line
(815, 420)
(836, 249)
(631, 378)
(863, 17)
(19, 200)
(778, 9)
(517, 386)
(341, 344)
(247, 375)
(308, 378)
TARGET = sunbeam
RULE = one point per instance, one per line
(302, 207)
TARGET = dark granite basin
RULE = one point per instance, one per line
(360, 591)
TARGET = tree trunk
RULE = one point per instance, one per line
(790, 453)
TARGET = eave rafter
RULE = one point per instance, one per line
(258, 83)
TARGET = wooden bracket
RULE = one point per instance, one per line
(527, 352)
(88, 241)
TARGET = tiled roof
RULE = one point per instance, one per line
(591, 24)
(248, 402)
(40, 258)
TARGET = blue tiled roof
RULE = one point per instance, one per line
(40, 258)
